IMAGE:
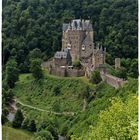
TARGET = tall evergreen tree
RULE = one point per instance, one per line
(18, 119)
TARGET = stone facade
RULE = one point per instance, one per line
(78, 37)
(66, 72)
(63, 58)
(117, 63)
(112, 80)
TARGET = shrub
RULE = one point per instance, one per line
(95, 77)
(77, 64)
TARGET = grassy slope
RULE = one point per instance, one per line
(40, 95)
(14, 134)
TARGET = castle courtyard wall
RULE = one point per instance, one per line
(65, 72)
(112, 80)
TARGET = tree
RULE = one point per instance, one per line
(11, 73)
(7, 96)
(133, 71)
(18, 119)
(44, 135)
(122, 73)
(25, 124)
(95, 77)
(35, 68)
(32, 126)
(35, 53)
(119, 121)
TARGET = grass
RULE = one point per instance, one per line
(9, 133)
(41, 94)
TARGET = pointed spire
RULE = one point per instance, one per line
(98, 46)
(101, 48)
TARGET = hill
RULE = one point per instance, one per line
(14, 134)
(67, 97)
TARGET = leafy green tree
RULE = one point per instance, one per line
(133, 71)
(35, 68)
(53, 131)
(119, 121)
(95, 77)
(11, 73)
(18, 119)
(45, 135)
(32, 126)
(122, 73)
(7, 96)
(35, 53)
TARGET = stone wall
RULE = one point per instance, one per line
(66, 72)
(112, 80)
(74, 72)
(57, 71)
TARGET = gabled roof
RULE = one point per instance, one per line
(63, 54)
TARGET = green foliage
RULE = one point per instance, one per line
(35, 68)
(45, 135)
(25, 124)
(56, 90)
(119, 121)
(121, 73)
(7, 96)
(11, 73)
(35, 53)
(32, 126)
(95, 77)
(133, 71)
(18, 119)
(41, 96)
(77, 64)
(4, 115)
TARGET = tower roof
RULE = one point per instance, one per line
(87, 41)
(79, 25)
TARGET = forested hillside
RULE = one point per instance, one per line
(30, 24)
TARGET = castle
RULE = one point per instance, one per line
(77, 44)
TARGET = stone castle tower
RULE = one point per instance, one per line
(78, 38)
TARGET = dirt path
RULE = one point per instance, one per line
(39, 109)
(84, 104)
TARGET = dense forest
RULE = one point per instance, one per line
(30, 24)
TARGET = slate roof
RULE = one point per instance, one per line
(63, 54)
(79, 24)
(65, 26)
(87, 41)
